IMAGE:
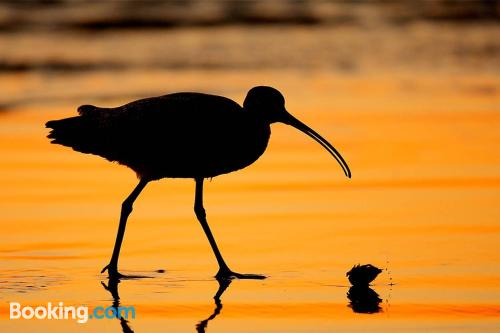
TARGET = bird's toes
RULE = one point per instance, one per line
(112, 272)
(228, 274)
(250, 276)
(104, 269)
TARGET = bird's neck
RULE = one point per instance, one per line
(259, 117)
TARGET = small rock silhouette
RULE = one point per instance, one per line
(362, 275)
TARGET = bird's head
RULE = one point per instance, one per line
(269, 104)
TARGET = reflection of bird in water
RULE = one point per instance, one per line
(112, 287)
(363, 299)
(181, 135)
(362, 275)
(223, 284)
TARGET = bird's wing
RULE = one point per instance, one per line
(173, 108)
(174, 124)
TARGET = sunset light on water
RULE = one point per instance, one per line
(420, 136)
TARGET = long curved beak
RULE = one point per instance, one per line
(294, 122)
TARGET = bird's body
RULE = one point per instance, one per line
(180, 135)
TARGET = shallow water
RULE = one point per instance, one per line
(423, 204)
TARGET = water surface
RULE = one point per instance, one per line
(423, 203)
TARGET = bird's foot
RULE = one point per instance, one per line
(226, 273)
(112, 272)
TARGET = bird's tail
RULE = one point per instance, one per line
(74, 132)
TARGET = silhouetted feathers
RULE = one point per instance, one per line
(86, 109)
(181, 135)
(75, 132)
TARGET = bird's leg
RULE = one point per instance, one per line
(112, 267)
(224, 271)
(202, 217)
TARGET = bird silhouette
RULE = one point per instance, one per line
(181, 135)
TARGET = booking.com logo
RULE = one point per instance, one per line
(60, 311)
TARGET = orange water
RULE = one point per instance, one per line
(423, 204)
(413, 108)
